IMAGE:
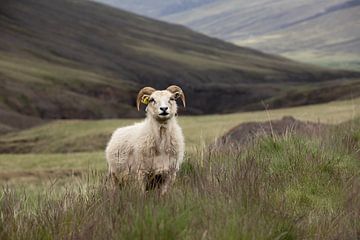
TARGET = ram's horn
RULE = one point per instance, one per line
(146, 91)
(178, 93)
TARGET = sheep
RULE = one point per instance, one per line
(153, 149)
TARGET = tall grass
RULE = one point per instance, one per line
(288, 187)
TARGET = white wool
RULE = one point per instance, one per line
(151, 146)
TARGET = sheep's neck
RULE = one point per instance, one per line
(161, 129)
(162, 132)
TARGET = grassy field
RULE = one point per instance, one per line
(276, 188)
(79, 144)
(288, 187)
(66, 136)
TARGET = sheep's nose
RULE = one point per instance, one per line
(164, 109)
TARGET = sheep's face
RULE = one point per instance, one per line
(162, 105)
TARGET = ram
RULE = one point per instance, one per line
(152, 150)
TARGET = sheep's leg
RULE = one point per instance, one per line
(114, 180)
(169, 179)
(141, 179)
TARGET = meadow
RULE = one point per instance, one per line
(277, 187)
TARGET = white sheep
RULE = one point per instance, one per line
(153, 149)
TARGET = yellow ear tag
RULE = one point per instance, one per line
(145, 100)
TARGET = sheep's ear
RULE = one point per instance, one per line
(144, 96)
(145, 99)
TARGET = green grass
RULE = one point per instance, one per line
(91, 135)
(76, 145)
(15, 162)
(39, 170)
(38, 71)
(288, 187)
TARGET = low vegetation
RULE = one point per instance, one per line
(277, 187)
(68, 136)
(280, 187)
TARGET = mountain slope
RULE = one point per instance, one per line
(306, 30)
(156, 8)
(325, 32)
(78, 59)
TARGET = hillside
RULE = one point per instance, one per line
(156, 8)
(317, 31)
(78, 59)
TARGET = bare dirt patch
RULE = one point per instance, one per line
(246, 132)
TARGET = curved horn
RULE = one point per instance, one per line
(144, 91)
(178, 93)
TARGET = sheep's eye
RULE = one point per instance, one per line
(152, 100)
(172, 99)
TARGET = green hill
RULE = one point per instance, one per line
(66, 59)
(321, 32)
(325, 32)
